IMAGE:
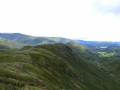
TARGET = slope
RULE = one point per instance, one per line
(112, 65)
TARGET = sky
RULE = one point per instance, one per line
(97, 20)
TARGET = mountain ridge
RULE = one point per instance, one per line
(33, 40)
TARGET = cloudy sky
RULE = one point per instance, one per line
(82, 19)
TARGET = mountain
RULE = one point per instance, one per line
(32, 40)
(52, 67)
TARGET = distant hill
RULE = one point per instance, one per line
(4, 47)
(11, 43)
(99, 44)
(32, 40)
(103, 47)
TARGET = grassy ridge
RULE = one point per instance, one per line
(51, 67)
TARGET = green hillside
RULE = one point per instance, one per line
(112, 65)
(83, 52)
(51, 67)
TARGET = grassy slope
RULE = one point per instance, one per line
(50, 67)
(112, 65)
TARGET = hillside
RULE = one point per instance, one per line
(51, 67)
(112, 65)
(83, 52)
